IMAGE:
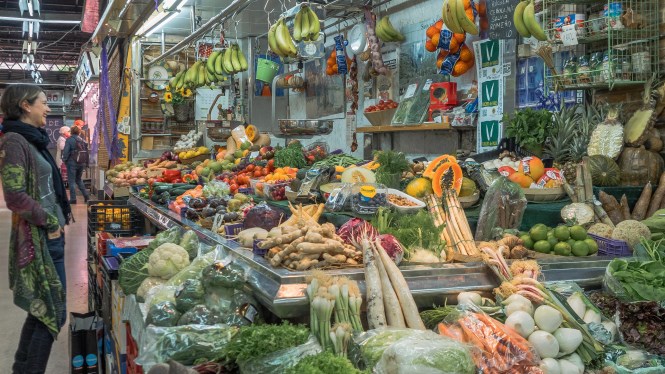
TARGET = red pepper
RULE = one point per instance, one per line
(171, 173)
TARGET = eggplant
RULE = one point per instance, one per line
(197, 203)
(208, 212)
(221, 209)
(214, 202)
(230, 217)
(192, 214)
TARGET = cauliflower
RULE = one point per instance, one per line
(167, 260)
(146, 286)
(631, 232)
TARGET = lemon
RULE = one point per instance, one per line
(203, 150)
(182, 155)
(593, 246)
(580, 248)
(578, 232)
(562, 249)
(542, 246)
(538, 233)
(528, 242)
(562, 233)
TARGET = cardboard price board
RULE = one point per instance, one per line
(500, 17)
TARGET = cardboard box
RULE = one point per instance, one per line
(439, 113)
(117, 324)
(155, 173)
(150, 143)
(443, 93)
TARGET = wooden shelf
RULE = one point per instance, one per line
(412, 128)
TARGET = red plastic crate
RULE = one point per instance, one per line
(132, 352)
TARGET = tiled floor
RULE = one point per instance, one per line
(11, 317)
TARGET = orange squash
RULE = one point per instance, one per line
(447, 176)
(252, 132)
(433, 166)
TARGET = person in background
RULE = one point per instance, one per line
(65, 133)
(75, 156)
(35, 194)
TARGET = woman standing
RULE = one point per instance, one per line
(65, 133)
(35, 194)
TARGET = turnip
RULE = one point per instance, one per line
(515, 297)
(519, 306)
(547, 318)
(469, 298)
(568, 367)
(611, 327)
(521, 322)
(545, 344)
(550, 366)
(591, 316)
(577, 304)
(569, 340)
(576, 360)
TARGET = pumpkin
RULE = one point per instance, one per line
(419, 187)
(448, 176)
(604, 171)
(532, 167)
(252, 132)
(639, 166)
(434, 165)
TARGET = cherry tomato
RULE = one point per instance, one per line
(257, 173)
(250, 167)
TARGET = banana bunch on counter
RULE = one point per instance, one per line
(387, 32)
(216, 68)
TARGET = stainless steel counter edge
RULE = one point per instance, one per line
(282, 291)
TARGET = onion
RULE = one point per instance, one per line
(547, 318)
(550, 366)
(374, 47)
(576, 360)
(545, 344)
(469, 298)
(591, 316)
(519, 306)
(569, 340)
(376, 56)
(515, 297)
(577, 304)
(521, 322)
(568, 367)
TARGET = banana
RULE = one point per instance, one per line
(272, 40)
(468, 25)
(201, 76)
(235, 49)
(531, 23)
(210, 77)
(297, 26)
(305, 23)
(390, 34)
(314, 25)
(242, 60)
(226, 63)
(380, 32)
(518, 19)
(284, 40)
(444, 14)
(454, 26)
(210, 65)
(173, 81)
(191, 73)
(181, 80)
(219, 69)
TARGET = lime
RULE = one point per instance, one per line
(538, 233)
(578, 232)
(593, 246)
(552, 240)
(580, 248)
(562, 233)
(527, 241)
(562, 249)
(570, 242)
(542, 246)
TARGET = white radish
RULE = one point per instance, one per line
(569, 340)
(394, 316)
(591, 316)
(577, 361)
(522, 322)
(545, 344)
(550, 366)
(547, 318)
(519, 306)
(376, 315)
(469, 298)
(577, 304)
(568, 367)
(611, 327)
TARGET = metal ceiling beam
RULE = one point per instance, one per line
(41, 84)
(22, 19)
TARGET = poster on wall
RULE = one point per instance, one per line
(490, 131)
(489, 58)
(491, 86)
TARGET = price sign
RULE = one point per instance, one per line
(163, 220)
(569, 35)
(500, 17)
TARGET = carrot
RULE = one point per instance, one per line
(394, 316)
(642, 204)
(448, 332)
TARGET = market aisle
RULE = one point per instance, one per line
(77, 292)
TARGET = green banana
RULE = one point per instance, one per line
(380, 32)
(242, 60)
(284, 40)
(468, 25)
(210, 65)
(272, 42)
(305, 23)
(226, 63)
(201, 76)
(297, 26)
(518, 19)
(181, 80)
(234, 58)
(390, 30)
(314, 25)
(531, 23)
(190, 76)
(219, 68)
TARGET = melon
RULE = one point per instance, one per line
(358, 175)
(434, 165)
(532, 167)
(419, 187)
(447, 177)
(520, 178)
(468, 187)
(604, 171)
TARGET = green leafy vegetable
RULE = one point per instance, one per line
(256, 341)
(530, 127)
(391, 162)
(133, 271)
(632, 280)
(412, 230)
(291, 156)
(323, 363)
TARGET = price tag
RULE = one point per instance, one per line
(253, 155)
(569, 35)
(411, 90)
(163, 220)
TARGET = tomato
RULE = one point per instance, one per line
(250, 167)
(258, 174)
(234, 187)
(264, 172)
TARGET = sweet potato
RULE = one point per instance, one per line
(642, 205)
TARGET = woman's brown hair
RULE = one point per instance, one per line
(14, 95)
(76, 130)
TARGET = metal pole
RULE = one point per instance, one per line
(135, 97)
(163, 41)
(235, 6)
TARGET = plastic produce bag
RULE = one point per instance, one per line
(379, 351)
(186, 344)
(622, 360)
(200, 315)
(190, 242)
(633, 280)
(219, 274)
(159, 294)
(193, 270)
(147, 285)
(171, 235)
(263, 216)
(189, 294)
(163, 314)
(503, 206)
(278, 362)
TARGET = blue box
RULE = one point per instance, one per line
(112, 250)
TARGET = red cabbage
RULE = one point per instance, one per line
(263, 216)
(393, 247)
(352, 231)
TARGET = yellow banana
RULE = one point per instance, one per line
(226, 63)
(219, 69)
(314, 25)
(305, 23)
(390, 30)
(468, 25)
(532, 24)
(234, 58)
(272, 40)
(297, 26)
(210, 65)
(201, 75)
(284, 40)
(444, 14)
(518, 19)
(191, 73)
(242, 60)
(454, 25)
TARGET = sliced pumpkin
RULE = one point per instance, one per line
(358, 175)
(447, 177)
(434, 165)
(252, 132)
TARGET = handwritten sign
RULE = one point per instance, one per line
(500, 17)
(569, 35)
(53, 125)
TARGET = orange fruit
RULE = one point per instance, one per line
(431, 31)
(439, 24)
(429, 46)
(520, 178)
(435, 40)
(466, 55)
(532, 167)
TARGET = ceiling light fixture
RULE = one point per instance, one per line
(162, 17)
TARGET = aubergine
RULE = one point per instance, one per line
(208, 212)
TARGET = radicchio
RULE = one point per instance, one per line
(352, 231)
(393, 247)
(262, 216)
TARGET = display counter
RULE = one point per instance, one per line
(283, 291)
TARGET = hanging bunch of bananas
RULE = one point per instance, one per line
(525, 21)
(387, 32)
(280, 41)
(215, 69)
(460, 16)
(306, 26)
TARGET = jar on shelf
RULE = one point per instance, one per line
(626, 69)
(607, 69)
(583, 71)
(641, 62)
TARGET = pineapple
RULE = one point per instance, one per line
(561, 134)
(578, 149)
(642, 121)
(607, 137)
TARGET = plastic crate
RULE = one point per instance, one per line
(507, 144)
(258, 251)
(94, 293)
(612, 248)
(109, 266)
(113, 216)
